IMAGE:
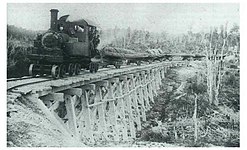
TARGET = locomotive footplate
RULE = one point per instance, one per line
(46, 58)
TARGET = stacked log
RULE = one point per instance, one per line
(122, 53)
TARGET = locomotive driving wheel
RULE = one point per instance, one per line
(55, 71)
(71, 69)
(93, 67)
(62, 70)
(77, 69)
(117, 65)
(31, 73)
(33, 70)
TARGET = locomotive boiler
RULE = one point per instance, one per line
(65, 48)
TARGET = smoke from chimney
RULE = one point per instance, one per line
(54, 14)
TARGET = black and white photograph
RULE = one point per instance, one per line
(132, 75)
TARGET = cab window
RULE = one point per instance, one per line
(79, 28)
(80, 33)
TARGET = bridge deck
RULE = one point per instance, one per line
(109, 105)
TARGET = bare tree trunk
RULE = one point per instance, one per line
(183, 134)
(175, 132)
(195, 120)
(214, 64)
(220, 65)
(209, 70)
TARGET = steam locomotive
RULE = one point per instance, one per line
(66, 47)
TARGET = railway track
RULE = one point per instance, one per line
(46, 85)
(23, 82)
(29, 80)
(21, 78)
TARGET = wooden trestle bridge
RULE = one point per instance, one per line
(108, 106)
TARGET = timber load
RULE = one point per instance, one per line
(122, 53)
(117, 56)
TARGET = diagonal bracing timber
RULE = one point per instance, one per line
(106, 106)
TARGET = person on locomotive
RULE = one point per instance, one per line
(96, 41)
(61, 28)
(72, 32)
(79, 28)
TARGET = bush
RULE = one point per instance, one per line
(19, 43)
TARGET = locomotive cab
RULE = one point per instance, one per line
(81, 35)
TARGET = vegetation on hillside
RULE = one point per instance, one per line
(201, 109)
(183, 115)
(19, 43)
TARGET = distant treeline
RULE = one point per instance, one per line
(191, 42)
(20, 33)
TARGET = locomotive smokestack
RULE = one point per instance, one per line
(53, 24)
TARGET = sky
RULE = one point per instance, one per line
(173, 18)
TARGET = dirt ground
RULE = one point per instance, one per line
(29, 126)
